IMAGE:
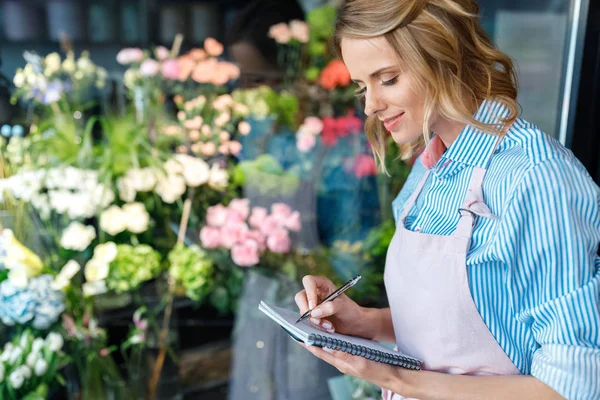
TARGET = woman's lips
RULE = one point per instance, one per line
(391, 123)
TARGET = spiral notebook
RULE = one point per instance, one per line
(306, 333)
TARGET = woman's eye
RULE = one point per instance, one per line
(390, 82)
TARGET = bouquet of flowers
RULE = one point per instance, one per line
(51, 80)
(29, 366)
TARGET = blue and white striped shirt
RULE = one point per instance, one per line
(534, 274)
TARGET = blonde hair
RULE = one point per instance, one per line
(446, 51)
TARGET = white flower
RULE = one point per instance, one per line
(69, 65)
(94, 288)
(96, 270)
(52, 63)
(126, 190)
(142, 179)
(26, 371)
(77, 236)
(19, 79)
(173, 167)
(66, 273)
(105, 252)
(41, 367)
(219, 178)
(137, 339)
(15, 354)
(32, 358)
(37, 345)
(196, 171)
(16, 379)
(112, 220)
(24, 340)
(136, 217)
(170, 188)
(18, 276)
(54, 342)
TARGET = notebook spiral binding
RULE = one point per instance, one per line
(371, 354)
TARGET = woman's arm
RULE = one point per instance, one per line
(425, 385)
(377, 323)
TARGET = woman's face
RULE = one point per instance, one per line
(387, 90)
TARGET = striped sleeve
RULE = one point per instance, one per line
(549, 241)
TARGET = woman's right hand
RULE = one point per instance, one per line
(340, 315)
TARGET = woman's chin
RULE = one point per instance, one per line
(403, 137)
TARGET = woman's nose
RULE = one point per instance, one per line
(373, 103)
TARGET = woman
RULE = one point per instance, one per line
(492, 277)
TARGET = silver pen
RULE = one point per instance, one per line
(332, 296)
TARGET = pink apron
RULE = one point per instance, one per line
(433, 313)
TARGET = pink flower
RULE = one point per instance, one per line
(244, 128)
(233, 233)
(280, 212)
(224, 149)
(280, 32)
(130, 55)
(222, 102)
(149, 67)
(299, 30)
(208, 149)
(241, 206)
(258, 237)
(162, 53)
(170, 69)
(210, 237)
(213, 47)
(69, 324)
(216, 215)
(269, 225)
(305, 143)
(232, 70)
(364, 166)
(186, 66)
(258, 216)
(293, 222)
(104, 352)
(197, 54)
(279, 241)
(235, 147)
(313, 125)
(220, 76)
(246, 254)
(195, 123)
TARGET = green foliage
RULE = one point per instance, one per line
(133, 266)
(192, 268)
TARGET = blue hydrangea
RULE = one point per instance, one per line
(36, 303)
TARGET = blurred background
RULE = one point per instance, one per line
(167, 164)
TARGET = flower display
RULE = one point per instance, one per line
(77, 236)
(132, 266)
(335, 74)
(29, 365)
(37, 303)
(247, 233)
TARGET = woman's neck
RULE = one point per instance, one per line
(447, 130)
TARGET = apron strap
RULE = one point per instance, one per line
(413, 197)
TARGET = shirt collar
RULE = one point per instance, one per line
(473, 146)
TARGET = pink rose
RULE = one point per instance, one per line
(246, 254)
(224, 149)
(305, 143)
(235, 147)
(210, 237)
(280, 212)
(220, 76)
(269, 225)
(299, 30)
(130, 55)
(244, 128)
(293, 222)
(258, 237)
(313, 125)
(208, 149)
(234, 232)
(170, 69)
(69, 325)
(233, 71)
(280, 32)
(364, 166)
(216, 215)
(241, 206)
(213, 47)
(258, 216)
(162, 53)
(186, 66)
(149, 67)
(104, 352)
(279, 241)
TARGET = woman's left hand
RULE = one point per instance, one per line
(383, 375)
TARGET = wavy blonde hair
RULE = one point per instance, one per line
(449, 55)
